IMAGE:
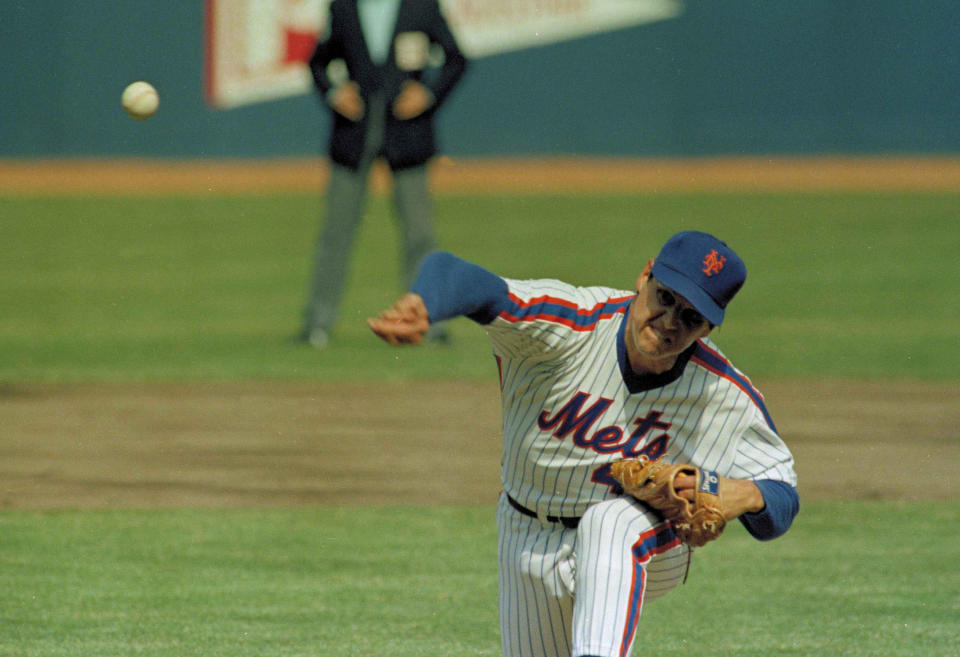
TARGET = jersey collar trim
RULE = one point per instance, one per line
(714, 362)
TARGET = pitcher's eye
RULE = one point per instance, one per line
(692, 319)
(665, 299)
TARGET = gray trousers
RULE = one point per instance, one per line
(345, 204)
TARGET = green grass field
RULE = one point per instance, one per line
(849, 580)
(856, 286)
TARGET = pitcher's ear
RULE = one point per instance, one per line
(645, 274)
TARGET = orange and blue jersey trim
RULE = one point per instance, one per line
(710, 360)
(561, 311)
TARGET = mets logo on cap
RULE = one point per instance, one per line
(713, 262)
(702, 269)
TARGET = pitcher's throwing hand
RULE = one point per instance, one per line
(405, 322)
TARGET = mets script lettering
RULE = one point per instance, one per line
(573, 419)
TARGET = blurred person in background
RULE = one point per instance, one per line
(385, 108)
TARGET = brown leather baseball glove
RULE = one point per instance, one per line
(652, 482)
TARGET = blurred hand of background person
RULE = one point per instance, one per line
(347, 102)
(413, 100)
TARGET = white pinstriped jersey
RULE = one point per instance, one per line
(570, 407)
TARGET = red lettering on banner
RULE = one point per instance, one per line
(512, 10)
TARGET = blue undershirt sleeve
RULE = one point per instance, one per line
(782, 505)
(451, 286)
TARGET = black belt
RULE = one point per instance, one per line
(569, 523)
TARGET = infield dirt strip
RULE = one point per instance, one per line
(253, 444)
(278, 444)
(486, 176)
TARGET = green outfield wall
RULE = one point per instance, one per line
(737, 77)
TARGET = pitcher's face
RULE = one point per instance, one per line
(661, 324)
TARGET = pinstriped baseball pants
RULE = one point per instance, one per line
(572, 592)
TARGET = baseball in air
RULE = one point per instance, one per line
(140, 100)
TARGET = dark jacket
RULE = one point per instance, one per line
(406, 143)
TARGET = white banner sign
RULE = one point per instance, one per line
(256, 49)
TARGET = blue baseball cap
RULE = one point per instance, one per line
(702, 269)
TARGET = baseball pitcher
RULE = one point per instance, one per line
(628, 437)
